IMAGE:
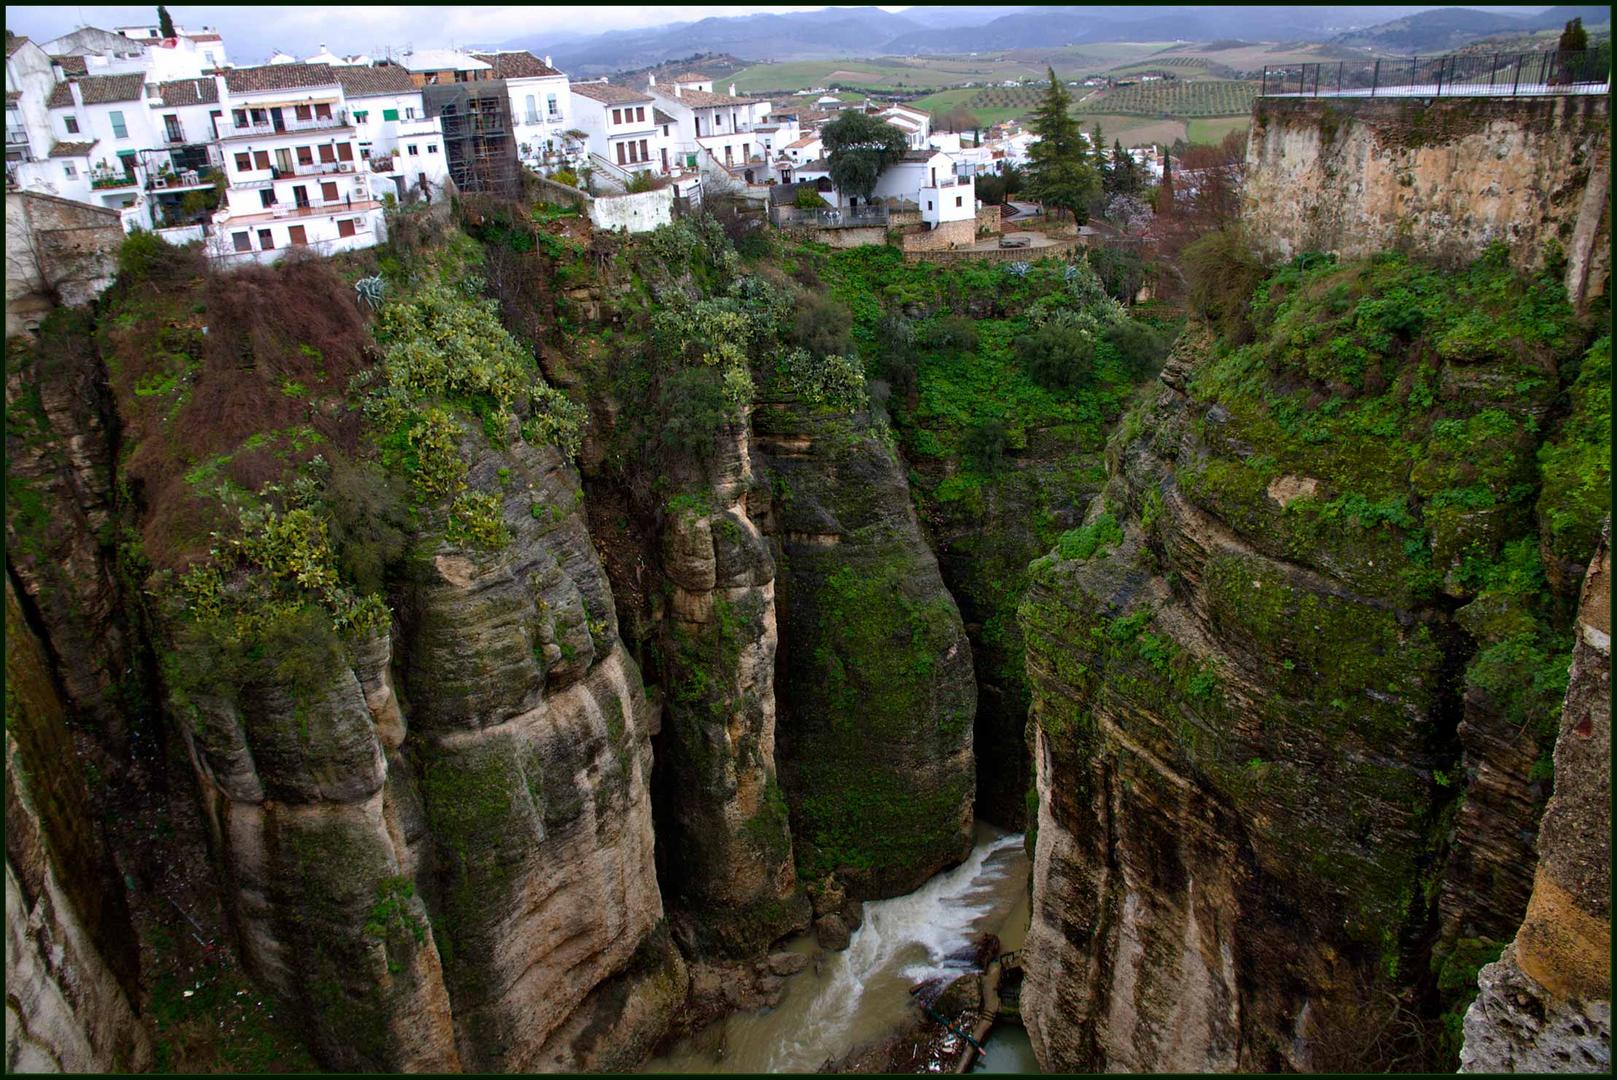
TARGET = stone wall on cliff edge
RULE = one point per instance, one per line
(1438, 177)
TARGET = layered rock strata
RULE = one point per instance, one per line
(876, 683)
(1545, 1005)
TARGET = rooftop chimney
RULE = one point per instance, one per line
(677, 89)
(548, 63)
(732, 89)
(652, 81)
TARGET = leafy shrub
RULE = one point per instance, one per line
(1057, 356)
(1086, 541)
(1121, 271)
(984, 445)
(822, 325)
(807, 198)
(140, 251)
(949, 333)
(441, 344)
(475, 517)
(1222, 274)
(565, 176)
(1140, 347)
(835, 380)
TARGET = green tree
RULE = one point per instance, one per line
(858, 147)
(1060, 174)
(165, 24)
(1574, 38)
(1123, 176)
(1165, 189)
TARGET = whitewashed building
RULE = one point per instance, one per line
(292, 162)
(624, 136)
(717, 129)
(540, 107)
(928, 180)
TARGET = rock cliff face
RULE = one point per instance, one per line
(731, 850)
(71, 964)
(1545, 1006)
(1361, 176)
(441, 873)
(876, 685)
(1263, 670)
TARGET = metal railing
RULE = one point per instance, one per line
(1495, 75)
(851, 218)
(288, 125)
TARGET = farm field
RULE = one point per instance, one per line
(1211, 97)
(937, 72)
(1213, 129)
(1133, 130)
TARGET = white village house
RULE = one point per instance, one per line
(624, 136)
(540, 105)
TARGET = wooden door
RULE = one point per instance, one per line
(298, 236)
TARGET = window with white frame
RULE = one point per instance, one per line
(533, 109)
(119, 130)
(69, 171)
(550, 105)
(72, 124)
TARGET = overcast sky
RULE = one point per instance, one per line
(251, 33)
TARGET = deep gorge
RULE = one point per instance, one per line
(495, 680)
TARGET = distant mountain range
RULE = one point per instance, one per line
(925, 31)
(1449, 28)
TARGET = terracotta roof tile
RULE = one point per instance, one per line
(608, 94)
(516, 65)
(278, 77)
(100, 89)
(13, 44)
(358, 82)
(72, 149)
(73, 65)
(701, 99)
(203, 91)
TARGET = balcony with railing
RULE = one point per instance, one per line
(109, 179)
(312, 208)
(291, 125)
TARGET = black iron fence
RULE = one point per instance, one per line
(1484, 75)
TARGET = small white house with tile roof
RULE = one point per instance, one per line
(624, 136)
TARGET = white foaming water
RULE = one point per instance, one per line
(862, 993)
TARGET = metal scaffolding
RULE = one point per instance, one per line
(479, 142)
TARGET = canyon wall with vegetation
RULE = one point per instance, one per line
(493, 675)
(1296, 681)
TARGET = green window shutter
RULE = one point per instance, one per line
(390, 114)
(359, 116)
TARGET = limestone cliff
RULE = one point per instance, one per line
(71, 962)
(1545, 1005)
(730, 846)
(1360, 176)
(876, 685)
(1265, 668)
